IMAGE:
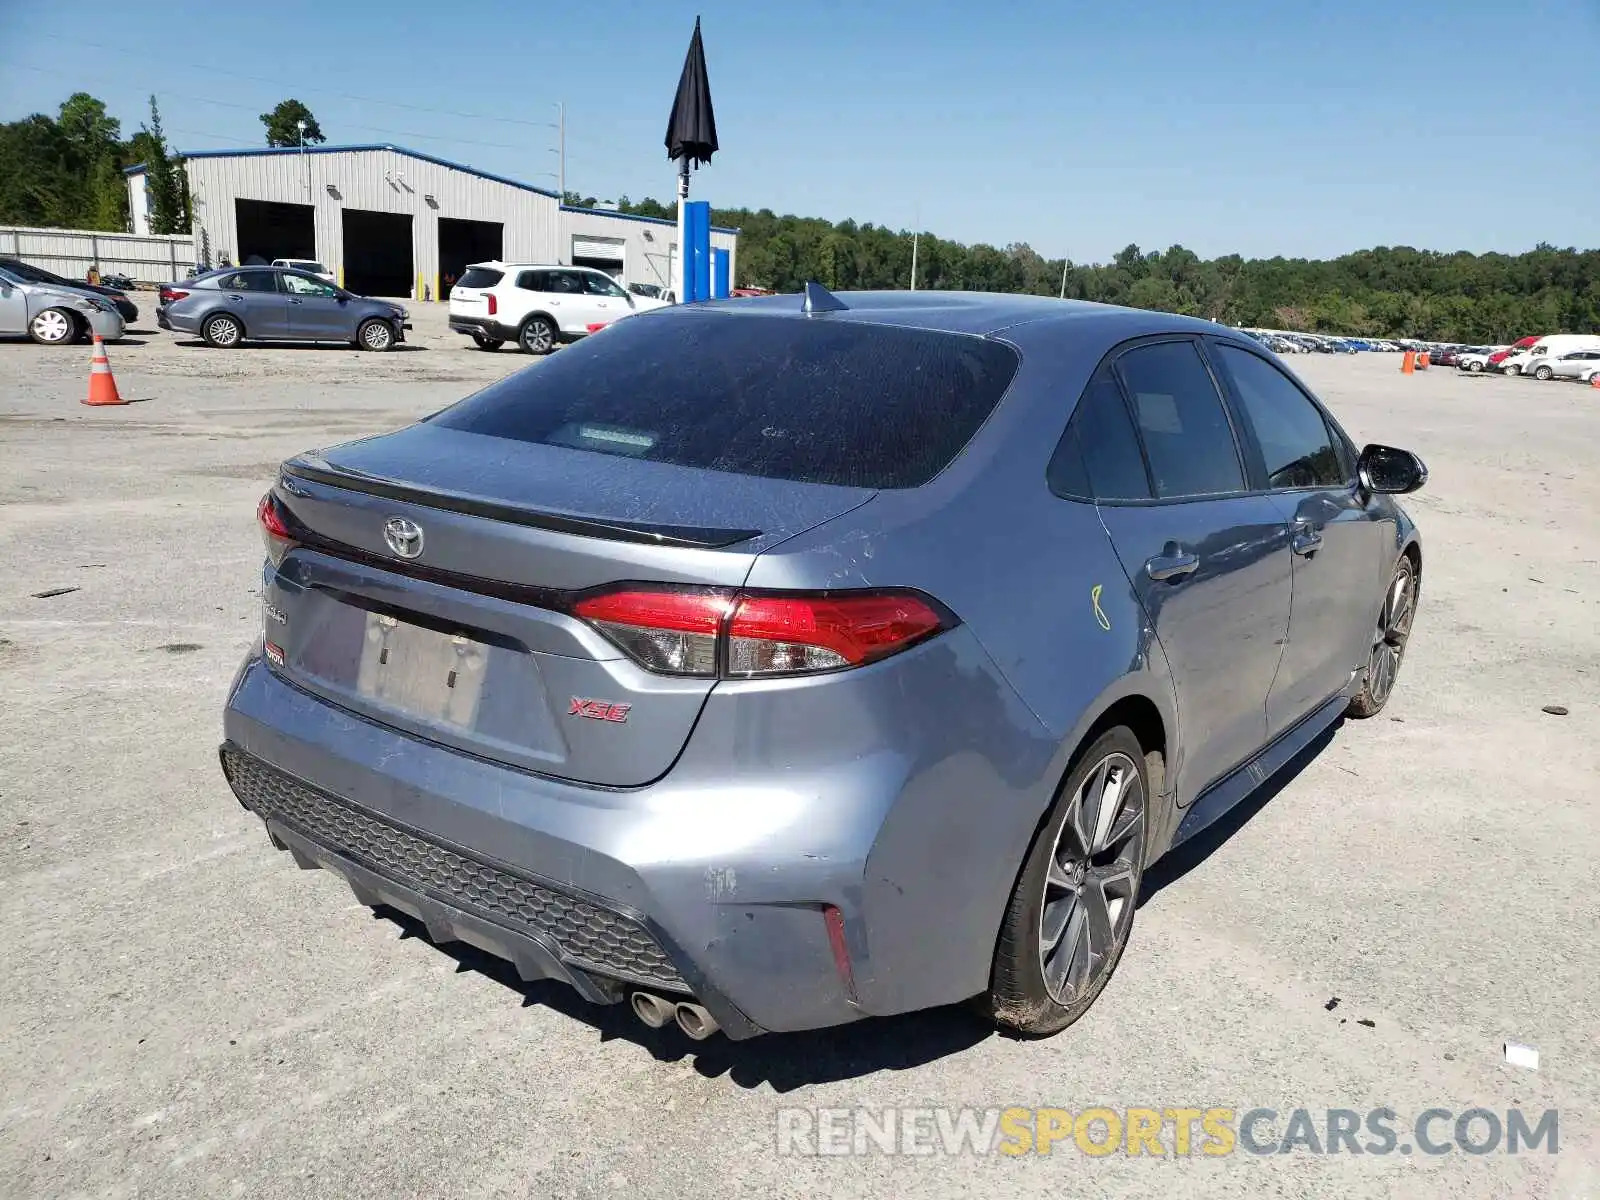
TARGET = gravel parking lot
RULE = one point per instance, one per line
(185, 1014)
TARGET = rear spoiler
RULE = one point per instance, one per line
(318, 470)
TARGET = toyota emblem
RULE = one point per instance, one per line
(404, 537)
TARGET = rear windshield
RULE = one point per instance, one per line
(479, 277)
(809, 400)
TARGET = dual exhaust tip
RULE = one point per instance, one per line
(693, 1019)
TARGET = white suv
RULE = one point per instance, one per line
(537, 306)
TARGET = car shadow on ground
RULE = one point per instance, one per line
(197, 344)
(1179, 862)
(783, 1061)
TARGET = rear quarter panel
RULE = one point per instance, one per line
(1033, 577)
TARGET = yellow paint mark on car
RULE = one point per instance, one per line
(1099, 613)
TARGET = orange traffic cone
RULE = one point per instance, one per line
(1422, 361)
(1408, 364)
(102, 384)
(1594, 380)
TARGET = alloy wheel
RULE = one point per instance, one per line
(1394, 627)
(1092, 879)
(52, 325)
(224, 331)
(375, 335)
(538, 337)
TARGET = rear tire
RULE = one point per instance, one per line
(1475, 367)
(487, 343)
(375, 335)
(1072, 908)
(222, 331)
(53, 327)
(537, 336)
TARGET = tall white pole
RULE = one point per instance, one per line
(684, 269)
(561, 148)
(914, 237)
(1064, 278)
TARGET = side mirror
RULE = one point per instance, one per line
(1389, 471)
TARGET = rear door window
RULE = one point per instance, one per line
(480, 277)
(249, 281)
(814, 401)
(534, 281)
(1187, 438)
(1100, 455)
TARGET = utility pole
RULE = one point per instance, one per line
(304, 164)
(1064, 263)
(560, 149)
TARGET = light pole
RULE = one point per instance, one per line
(560, 149)
(305, 165)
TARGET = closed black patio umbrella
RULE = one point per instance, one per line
(691, 136)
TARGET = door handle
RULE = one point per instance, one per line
(1174, 565)
(292, 300)
(1306, 539)
(237, 299)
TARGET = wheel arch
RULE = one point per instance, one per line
(538, 312)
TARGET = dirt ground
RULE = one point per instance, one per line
(182, 1013)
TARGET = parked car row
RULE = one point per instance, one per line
(1551, 356)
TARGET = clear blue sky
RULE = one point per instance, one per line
(1263, 128)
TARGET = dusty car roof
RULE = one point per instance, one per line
(973, 312)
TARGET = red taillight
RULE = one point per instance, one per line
(494, 305)
(779, 635)
(168, 295)
(674, 632)
(275, 531)
(684, 632)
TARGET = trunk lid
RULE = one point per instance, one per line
(467, 642)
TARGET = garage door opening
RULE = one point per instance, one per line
(603, 254)
(462, 243)
(377, 253)
(269, 230)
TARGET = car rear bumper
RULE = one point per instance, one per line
(482, 327)
(711, 883)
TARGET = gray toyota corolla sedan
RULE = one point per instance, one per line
(772, 663)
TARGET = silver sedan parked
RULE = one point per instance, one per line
(53, 315)
(1575, 364)
(271, 304)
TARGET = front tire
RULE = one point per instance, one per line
(537, 336)
(1389, 642)
(222, 331)
(375, 335)
(1543, 374)
(1072, 908)
(53, 327)
(1475, 367)
(1512, 370)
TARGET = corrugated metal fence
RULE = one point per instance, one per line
(70, 253)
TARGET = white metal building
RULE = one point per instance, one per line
(391, 221)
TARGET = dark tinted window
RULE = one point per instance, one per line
(480, 277)
(1101, 449)
(1181, 420)
(248, 281)
(1294, 439)
(596, 284)
(534, 281)
(815, 401)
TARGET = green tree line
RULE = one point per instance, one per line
(1389, 291)
(65, 172)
